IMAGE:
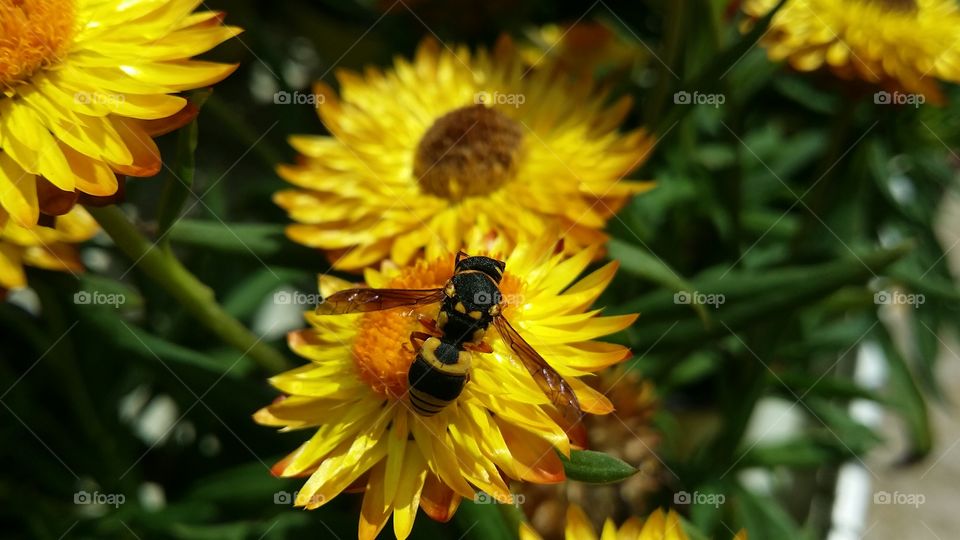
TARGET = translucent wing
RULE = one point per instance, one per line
(363, 300)
(553, 385)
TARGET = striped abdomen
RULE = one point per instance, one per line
(437, 376)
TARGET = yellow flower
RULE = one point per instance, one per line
(581, 48)
(84, 84)
(43, 247)
(898, 44)
(453, 143)
(500, 427)
(659, 525)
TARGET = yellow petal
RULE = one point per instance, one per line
(375, 511)
(18, 192)
(11, 267)
(25, 138)
(578, 525)
(396, 449)
(407, 499)
(528, 533)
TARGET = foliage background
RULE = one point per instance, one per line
(797, 199)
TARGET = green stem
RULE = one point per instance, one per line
(672, 48)
(195, 297)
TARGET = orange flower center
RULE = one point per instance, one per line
(34, 34)
(381, 349)
(900, 6)
(468, 152)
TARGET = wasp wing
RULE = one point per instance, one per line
(553, 385)
(363, 300)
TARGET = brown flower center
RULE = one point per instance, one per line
(34, 34)
(468, 152)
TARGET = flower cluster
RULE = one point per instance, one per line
(456, 150)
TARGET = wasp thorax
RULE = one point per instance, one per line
(468, 152)
(33, 34)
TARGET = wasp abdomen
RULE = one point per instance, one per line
(437, 376)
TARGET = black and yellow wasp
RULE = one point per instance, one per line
(469, 302)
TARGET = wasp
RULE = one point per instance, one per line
(470, 301)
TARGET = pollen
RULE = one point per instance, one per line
(468, 152)
(381, 348)
(34, 34)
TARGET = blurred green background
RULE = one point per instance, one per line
(798, 200)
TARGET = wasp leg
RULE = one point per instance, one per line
(416, 341)
(480, 347)
(430, 325)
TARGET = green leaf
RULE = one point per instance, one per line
(905, 396)
(799, 453)
(264, 241)
(130, 338)
(596, 467)
(482, 521)
(802, 383)
(841, 429)
(749, 297)
(644, 264)
(763, 518)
